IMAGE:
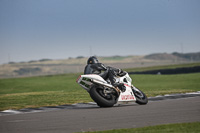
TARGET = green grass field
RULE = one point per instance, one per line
(169, 128)
(55, 90)
(62, 89)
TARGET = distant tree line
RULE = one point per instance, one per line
(188, 56)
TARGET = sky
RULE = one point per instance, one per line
(59, 29)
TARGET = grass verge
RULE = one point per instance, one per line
(154, 85)
(41, 91)
(172, 128)
(62, 89)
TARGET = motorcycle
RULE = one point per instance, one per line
(106, 95)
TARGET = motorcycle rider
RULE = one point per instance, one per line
(94, 67)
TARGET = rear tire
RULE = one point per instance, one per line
(141, 98)
(98, 96)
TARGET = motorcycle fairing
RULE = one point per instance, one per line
(85, 80)
(125, 97)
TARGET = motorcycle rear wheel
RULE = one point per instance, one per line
(99, 97)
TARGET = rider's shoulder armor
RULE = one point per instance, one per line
(91, 69)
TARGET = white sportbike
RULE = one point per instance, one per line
(106, 95)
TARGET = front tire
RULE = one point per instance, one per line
(141, 98)
(99, 97)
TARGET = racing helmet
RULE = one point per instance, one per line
(92, 60)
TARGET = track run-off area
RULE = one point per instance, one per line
(177, 108)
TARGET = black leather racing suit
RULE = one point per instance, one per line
(97, 68)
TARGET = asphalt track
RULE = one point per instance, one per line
(93, 118)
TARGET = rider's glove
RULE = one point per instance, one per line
(121, 73)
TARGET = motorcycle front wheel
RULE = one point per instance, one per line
(141, 98)
(101, 99)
